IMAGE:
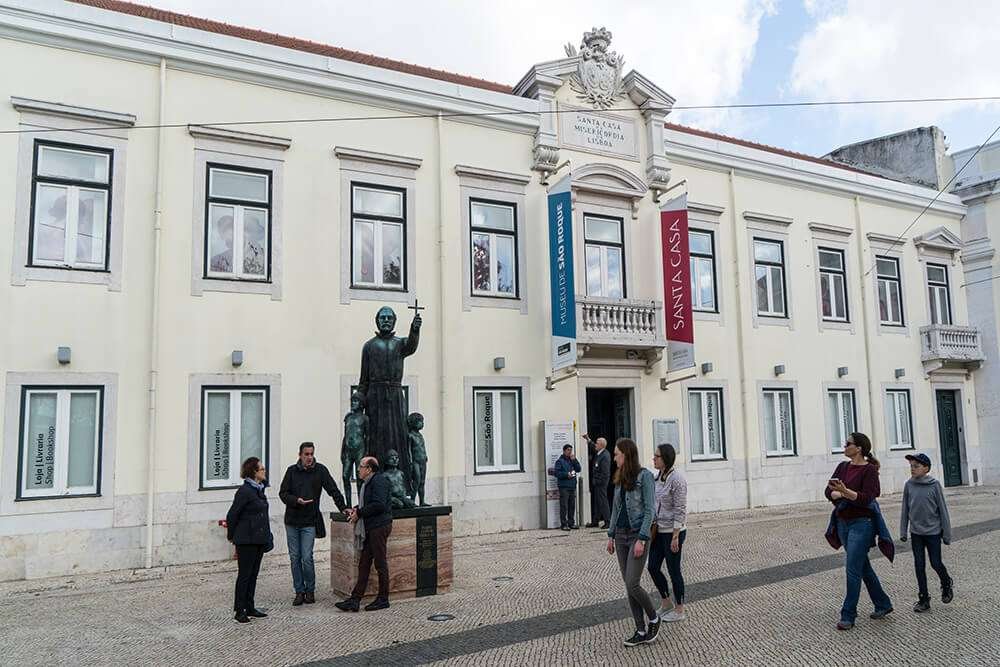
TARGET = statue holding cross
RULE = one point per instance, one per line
(381, 386)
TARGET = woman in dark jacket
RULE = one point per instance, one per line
(853, 489)
(249, 528)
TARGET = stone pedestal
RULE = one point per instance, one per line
(420, 554)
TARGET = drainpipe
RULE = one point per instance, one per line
(154, 319)
(740, 355)
(442, 352)
(864, 311)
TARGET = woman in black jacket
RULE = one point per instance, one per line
(249, 528)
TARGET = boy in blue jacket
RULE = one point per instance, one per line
(926, 512)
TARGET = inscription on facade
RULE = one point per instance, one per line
(601, 133)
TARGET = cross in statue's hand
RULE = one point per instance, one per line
(416, 307)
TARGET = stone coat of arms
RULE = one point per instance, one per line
(598, 79)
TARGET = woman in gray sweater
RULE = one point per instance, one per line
(926, 513)
(671, 529)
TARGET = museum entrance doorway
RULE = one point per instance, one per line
(609, 416)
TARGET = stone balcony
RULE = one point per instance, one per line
(632, 325)
(946, 347)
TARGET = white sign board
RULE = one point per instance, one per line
(557, 435)
(599, 133)
(667, 432)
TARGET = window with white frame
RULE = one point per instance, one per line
(841, 417)
(708, 439)
(833, 285)
(703, 291)
(769, 269)
(378, 236)
(238, 223)
(898, 419)
(234, 428)
(938, 293)
(60, 441)
(70, 207)
(779, 422)
(605, 249)
(890, 291)
(498, 434)
(494, 248)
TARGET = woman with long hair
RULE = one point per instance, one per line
(628, 536)
(249, 528)
(671, 530)
(853, 490)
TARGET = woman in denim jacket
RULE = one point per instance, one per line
(628, 536)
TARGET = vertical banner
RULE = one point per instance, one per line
(677, 283)
(557, 434)
(561, 275)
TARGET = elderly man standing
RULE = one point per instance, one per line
(372, 520)
(600, 475)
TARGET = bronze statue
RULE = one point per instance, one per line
(397, 482)
(352, 448)
(418, 457)
(381, 390)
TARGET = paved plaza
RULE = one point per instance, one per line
(764, 588)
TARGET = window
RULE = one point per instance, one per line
(890, 294)
(841, 417)
(494, 248)
(234, 428)
(937, 291)
(706, 419)
(769, 267)
(60, 441)
(702, 249)
(898, 423)
(238, 224)
(378, 230)
(779, 422)
(833, 285)
(497, 421)
(605, 250)
(70, 207)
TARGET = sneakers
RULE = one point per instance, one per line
(299, 599)
(652, 629)
(844, 625)
(947, 592)
(241, 618)
(350, 604)
(310, 597)
(922, 605)
(636, 639)
(256, 613)
(673, 616)
(880, 613)
(563, 527)
(377, 604)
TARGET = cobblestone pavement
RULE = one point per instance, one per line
(763, 588)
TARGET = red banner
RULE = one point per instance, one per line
(677, 283)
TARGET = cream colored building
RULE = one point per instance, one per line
(212, 285)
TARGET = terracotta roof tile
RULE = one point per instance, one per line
(294, 43)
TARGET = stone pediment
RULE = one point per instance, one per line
(608, 179)
(940, 240)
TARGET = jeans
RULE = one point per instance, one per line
(248, 558)
(857, 536)
(567, 506)
(932, 544)
(659, 551)
(631, 569)
(300, 553)
(376, 548)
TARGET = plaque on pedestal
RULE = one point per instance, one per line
(420, 554)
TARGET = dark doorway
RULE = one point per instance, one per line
(948, 436)
(609, 416)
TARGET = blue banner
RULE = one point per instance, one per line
(561, 275)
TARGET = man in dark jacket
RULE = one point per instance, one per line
(566, 470)
(372, 520)
(301, 490)
(600, 475)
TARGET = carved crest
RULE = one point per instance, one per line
(598, 78)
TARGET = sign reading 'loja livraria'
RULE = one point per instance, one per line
(602, 133)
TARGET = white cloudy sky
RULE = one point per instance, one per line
(706, 52)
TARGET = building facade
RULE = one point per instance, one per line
(190, 285)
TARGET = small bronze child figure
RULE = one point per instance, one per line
(397, 482)
(352, 449)
(418, 457)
